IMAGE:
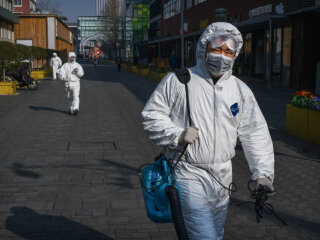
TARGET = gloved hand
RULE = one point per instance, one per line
(64, 79)
(75, 70)
(189, 136)
(266, 182)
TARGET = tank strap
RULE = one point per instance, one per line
(183, 76)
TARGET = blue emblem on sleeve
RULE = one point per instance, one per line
(234, 109)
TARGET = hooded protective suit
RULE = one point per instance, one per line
(222, 112)
(72, 78)
(55, 63)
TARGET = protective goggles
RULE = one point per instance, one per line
(220, 40)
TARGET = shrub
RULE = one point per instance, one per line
(305, 99)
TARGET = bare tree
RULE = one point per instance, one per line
(48, 6)
(112, 24)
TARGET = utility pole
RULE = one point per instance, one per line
(182, 33)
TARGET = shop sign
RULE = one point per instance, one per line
(204, 24)
(260, 10)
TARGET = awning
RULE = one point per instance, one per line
(8, 16)
(260, 22)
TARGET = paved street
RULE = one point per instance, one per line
(74, 177)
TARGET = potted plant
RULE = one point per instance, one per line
(8, 55)
(303, 116)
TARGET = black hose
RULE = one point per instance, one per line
(177, 216)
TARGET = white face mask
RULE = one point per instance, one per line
(218, 64)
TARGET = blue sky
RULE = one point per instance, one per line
(74, 8)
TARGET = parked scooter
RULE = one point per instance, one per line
(23, 78)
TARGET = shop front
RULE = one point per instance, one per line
(257, 59)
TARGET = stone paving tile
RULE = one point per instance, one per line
(91, 190)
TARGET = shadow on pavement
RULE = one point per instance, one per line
(18, 169)
(123, 181)
(292, 221)
(37, 108)
(31, 225)
(310, 154)
(305, 148)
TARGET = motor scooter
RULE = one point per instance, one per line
(23, 78)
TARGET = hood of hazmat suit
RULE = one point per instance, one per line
(68, 70)
(223, 112)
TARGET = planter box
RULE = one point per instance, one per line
(303, 123)
(128, 67)
(37, 74)
(314, 126)
(134, 69)
(145, 72)
(8, 88)
(156, 76)
(297, 121)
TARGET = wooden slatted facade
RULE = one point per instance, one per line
(45, 31)
(32, 28)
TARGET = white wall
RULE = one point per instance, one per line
(51, 33)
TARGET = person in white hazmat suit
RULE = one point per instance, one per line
(55, 63)
(222, 109)
(71, 72)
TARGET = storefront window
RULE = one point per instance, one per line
(189, 53)
(286, 56)
(276, 54)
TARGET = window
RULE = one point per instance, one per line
(188, 4)
(18, 2)
(196, 2)
(171, 8)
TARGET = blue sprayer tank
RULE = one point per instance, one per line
(154, 179)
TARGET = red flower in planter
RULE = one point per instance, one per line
(303, 99)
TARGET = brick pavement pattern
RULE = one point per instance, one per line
(66, 177)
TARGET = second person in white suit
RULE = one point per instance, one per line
(71, 72)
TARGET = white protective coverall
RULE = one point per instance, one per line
(204, 202)
(72, 82)
(55, 63)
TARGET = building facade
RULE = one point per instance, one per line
(90, 33)
(137, 17)
(96, 31)
(154, 30)
(45, 31)
(277, 36)
(100, 5)
(74, 29)
(7, 21)
(25, 6)
(132, 28)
